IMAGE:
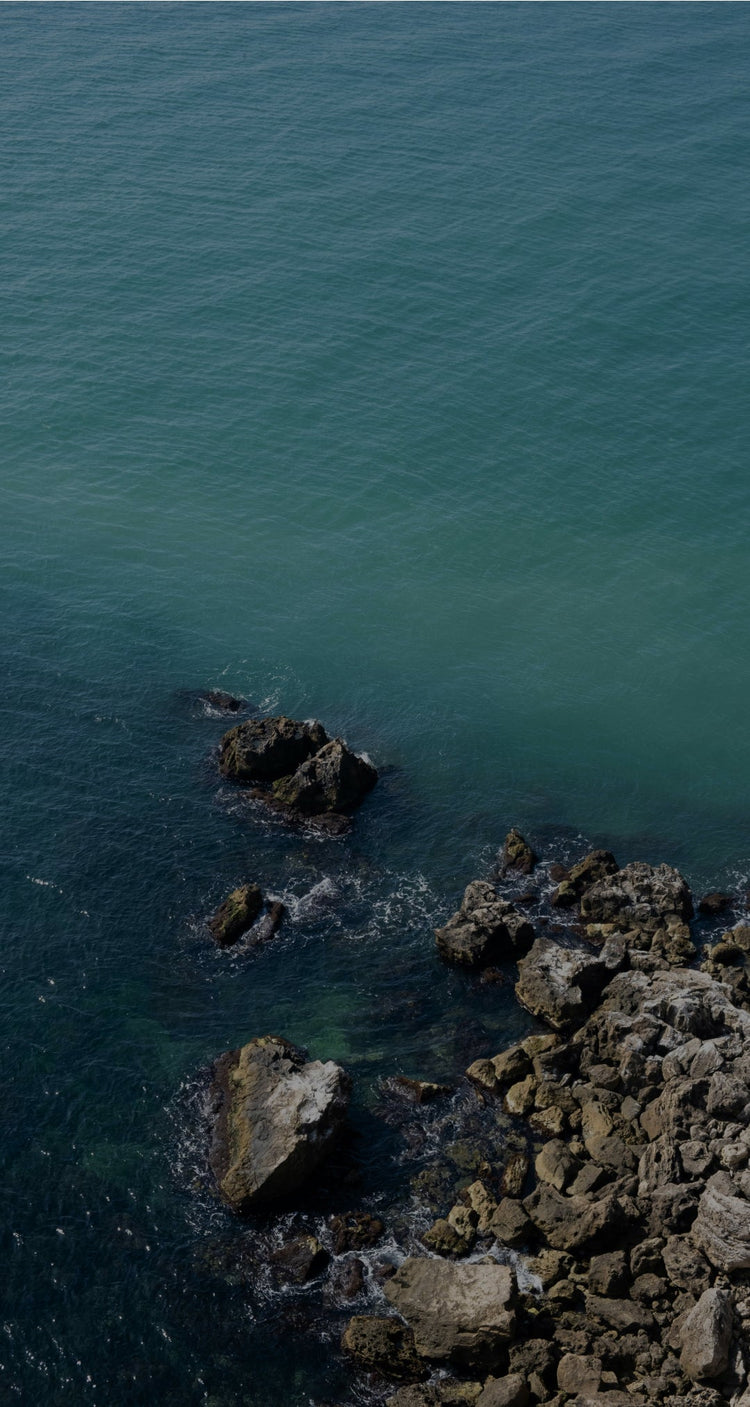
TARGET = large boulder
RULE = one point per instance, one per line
(638, 896)
(462, 1313)
(706, 1335)
(574, 1223)
(333, 779)
(560, 985)
(276, 1117)
(263, 749)
(486, 929)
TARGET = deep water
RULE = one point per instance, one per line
(380, 363)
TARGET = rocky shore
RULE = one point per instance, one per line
(596, 1249)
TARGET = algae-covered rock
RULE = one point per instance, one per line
(238, 913)
(333, 779)
(517, 853)
(276, 1118)
(384, 1346)
(263, 749)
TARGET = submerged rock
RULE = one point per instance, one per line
(486, 929)
(264, 749)
(226, 703)
(237, 913)
(276, 1118)
(334, 779)
(301, 1259)
(461, 1313)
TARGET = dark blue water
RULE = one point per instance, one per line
(385, 364)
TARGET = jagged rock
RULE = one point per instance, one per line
(639, 896)
(608, 1273)
(623, 1315)
(236, 915)
(507, 1068)
(593, 867)
(514, 1175)
(482, 1204)
(264, 749)
(560, 985)
(511, 1391)
(441, 1394)
(384, 1346)
(446, 1240)
(334, 779)
(576, 1224)
(722, 1227)
(301, 1259)
(517, 853)
(706, 1335)
(462, 1313)
(486, 929)
(276, 1117)
(353, 1231)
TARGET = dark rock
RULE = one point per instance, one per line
(383, 1346)
(348, 1278)
(722, 1227)
(334, 779)
(511, 1224)
(354, 1231)
(226, 703)
(276, 1118)
(264, 749)
(517, 853)
(593, 867)
(486, 929)
(268, 924)
(608, 1273)
(623, 1315)
(238, 913)
(460, 1313)
(714, 903)
(514, 1175)
(301, 1259)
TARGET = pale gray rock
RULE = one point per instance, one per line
(464, 1314)
(511, 1391)
(706, 1335)
(276, 1117)
(638, 896)
(722, 1227)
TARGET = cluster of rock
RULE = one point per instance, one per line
(608, 1265)
(294, 767)
(297, 769)
(634, 1215)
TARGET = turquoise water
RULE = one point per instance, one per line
(385, 364)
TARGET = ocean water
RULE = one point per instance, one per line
(380, 363)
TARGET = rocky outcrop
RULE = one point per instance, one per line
(593, 867)
(639, 896)
(334, 779)
(486, 929)
(297, 768)
(264, 749)
(275, 1118)
(236, 915)
(463, 1314)
(517, 853)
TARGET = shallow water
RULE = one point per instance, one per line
(383, 364)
